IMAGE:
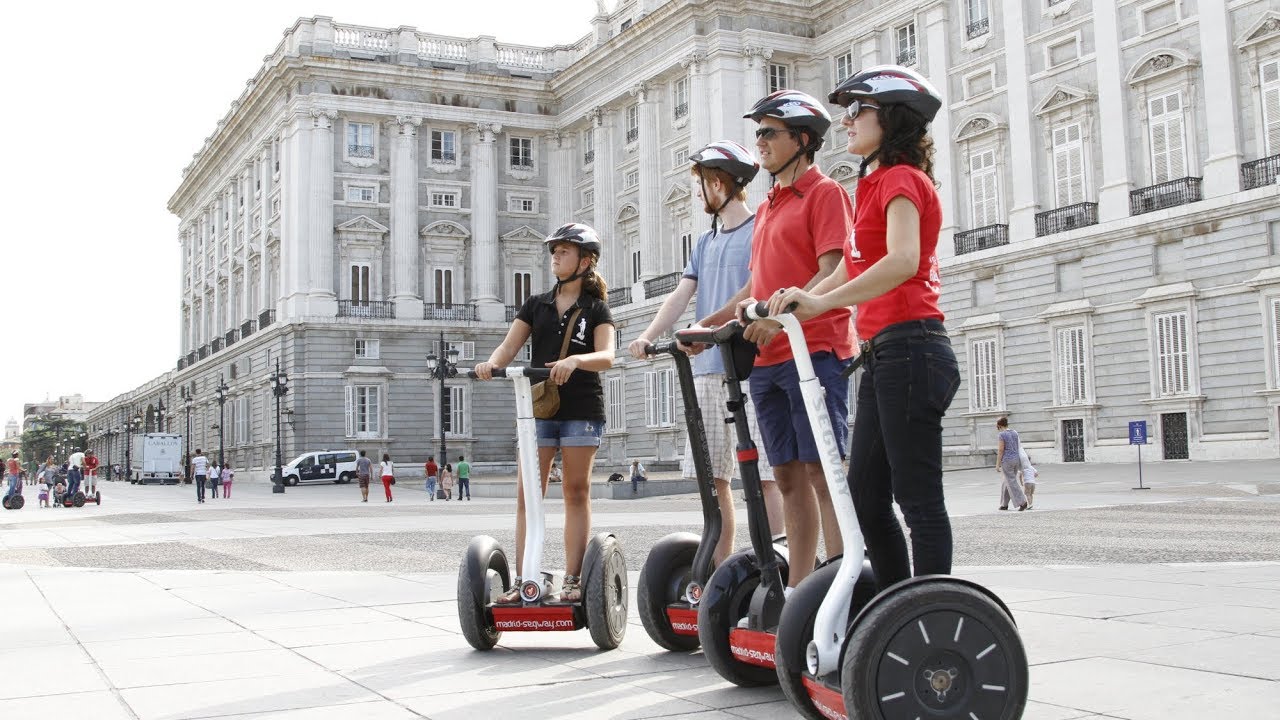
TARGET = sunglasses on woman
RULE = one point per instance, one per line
(854, 108)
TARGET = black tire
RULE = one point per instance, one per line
(725, 600)
(4, 502)
(795, 629)
(940, 626)
(97, 497)
(482, 577)
(78, 499)
(16, 502)
(662, 582)
(291, 481)
(604, 591)
(344, 478)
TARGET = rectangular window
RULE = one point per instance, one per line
(442, 146)
(1173, 359)
(521, 204)
(1062, 53)
(242, 420)
(1168, 144)
(266, 428)
(444, 199)
(680, 98)
(680, 158)
(588, 197)
(1154, 18)
(466, 349)
(588, 147)
(368, 349)
(977, 18)
(521, 152)
(359, 140)
(985, 188)
(633, 123)
(979, 84)
(1068, 165)
(686, 248)
(844, 67)
(1071, 366)
(1269, 73)
(984, 375)
(905, 37)
(779, 77)
(659, 393)
(631, 179)
(455, 404)
(363, 407)
(526, 353)
(635, 266)
(616, 417)
(362, 193)
(1275, 338)
(443, 284)
(360, 283)
(521, 288)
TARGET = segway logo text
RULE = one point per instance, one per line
(540, 624)
(753, 656)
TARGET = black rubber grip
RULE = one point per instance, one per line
(531, 373)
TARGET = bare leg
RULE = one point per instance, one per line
(724, 546)
(773, 505)
(545, 456)
(800, 509)
(576, 486)
(830, 525)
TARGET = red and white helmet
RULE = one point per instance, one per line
(796, 109)
(890, 85)
(730, 157)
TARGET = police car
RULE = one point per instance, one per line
(336, 466)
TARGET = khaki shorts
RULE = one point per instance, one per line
(722, 438)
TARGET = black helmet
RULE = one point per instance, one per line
(581, 235)
(730, 157)
(796, 109)
(891, 85)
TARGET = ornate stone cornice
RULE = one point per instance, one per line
(640, 91)
(487, 132)
(322, 118)
(757, 54)
(693, 61)
(408, 124)
(595, 116)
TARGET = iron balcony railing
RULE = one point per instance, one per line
(512, 311)
(521, 161)
(619, 296)
(216, 345)
(191, 358)
(449, 311)
(1164, 195)
(661, 285)
(265, 318)
(1256, 173)
(681, 110)
(232, 336)
(444, 156)
(982, 238)
(182, 362)
(1066, 218)
(588, 157)
(907, 57)
(978, 28)
(247, 328)
(373, 309)
(360, 151)
(632, 134)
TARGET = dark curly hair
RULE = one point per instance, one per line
(906, 139)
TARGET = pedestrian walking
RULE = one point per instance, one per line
(800, 236)
(717, 270)
(638, 475)
(228, 476)
(1029, 476)
(1009, 464)
(890, 273)
(364, 469)
(571, 331)
(446, 481)
(433, 475)
(388, 475)
(200, 468)
(13, 473)
(464, 478)
(215, 479)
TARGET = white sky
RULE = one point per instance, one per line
(105, 104)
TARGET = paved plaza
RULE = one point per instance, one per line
(1159, 604)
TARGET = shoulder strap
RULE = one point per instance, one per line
(568, 330)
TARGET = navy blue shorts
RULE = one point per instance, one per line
(784, 425)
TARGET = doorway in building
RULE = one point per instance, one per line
(1073, 441)
(1173, 433)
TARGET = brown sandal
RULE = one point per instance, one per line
(571, 589)
(512, 596)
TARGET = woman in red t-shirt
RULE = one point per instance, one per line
(890, 272)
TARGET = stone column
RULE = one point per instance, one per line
(699, 125)
(484, 222)
(602, 187)
(650, 195)
(205, 269)
(264, 267)
(323, 301)
(219, 224)
(404, 218)
(561, 201)
(1113, 193)
(1222, 166)
(295, 219)
(938, 54)
(1021, 200)
(755, 86)
(246, 217)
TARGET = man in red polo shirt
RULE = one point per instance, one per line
(801, 231)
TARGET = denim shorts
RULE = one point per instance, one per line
(780, 411)
(570, 433)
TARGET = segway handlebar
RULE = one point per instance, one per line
(760, 310)
(708, 336)
(536, 374)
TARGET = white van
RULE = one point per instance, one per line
(337, 466)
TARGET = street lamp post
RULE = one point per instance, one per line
(131, 428)
(187, 403)
(441, 368)
(221, 394)
(160, 412)
(279, 388)
(110, 434)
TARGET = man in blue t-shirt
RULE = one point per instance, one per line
(717, 270)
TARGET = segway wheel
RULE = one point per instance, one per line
(604, 591)
(16, 502)
(482, 577)
(78, 499)
(4, 502)
(725, 600)
(935, 647)
(663, 580)
(795, 629)
(97, 497)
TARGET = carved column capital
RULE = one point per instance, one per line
(408, 124)
(322, 118)
(640, 91)
(595, 116)
(487, 132)
(757, 55)
(693, 61)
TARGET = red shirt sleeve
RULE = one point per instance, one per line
(831, 218)
(905, 181)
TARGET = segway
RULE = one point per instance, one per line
(14, 501)
(931, 646)
(485, 575)
(742, 601)
(679, 565)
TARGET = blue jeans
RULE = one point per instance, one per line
(13, 485)
(430, 486)
(74, 477)
(464, 487)
(907, 386)
(570, 433)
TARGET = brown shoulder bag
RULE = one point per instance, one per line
(546, 394)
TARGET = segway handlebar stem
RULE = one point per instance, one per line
(538, 374)
(829, 624)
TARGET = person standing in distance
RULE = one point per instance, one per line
(717, 270)
(890, 272)
(200, 468)
(801, 232)
(576, 310)
(464, 478)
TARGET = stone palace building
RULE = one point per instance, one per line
(1107, 170)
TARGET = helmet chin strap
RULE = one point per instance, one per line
(862, 169)
(773, 176)
(715, 216)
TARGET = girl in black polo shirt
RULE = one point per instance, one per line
(577, 305)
